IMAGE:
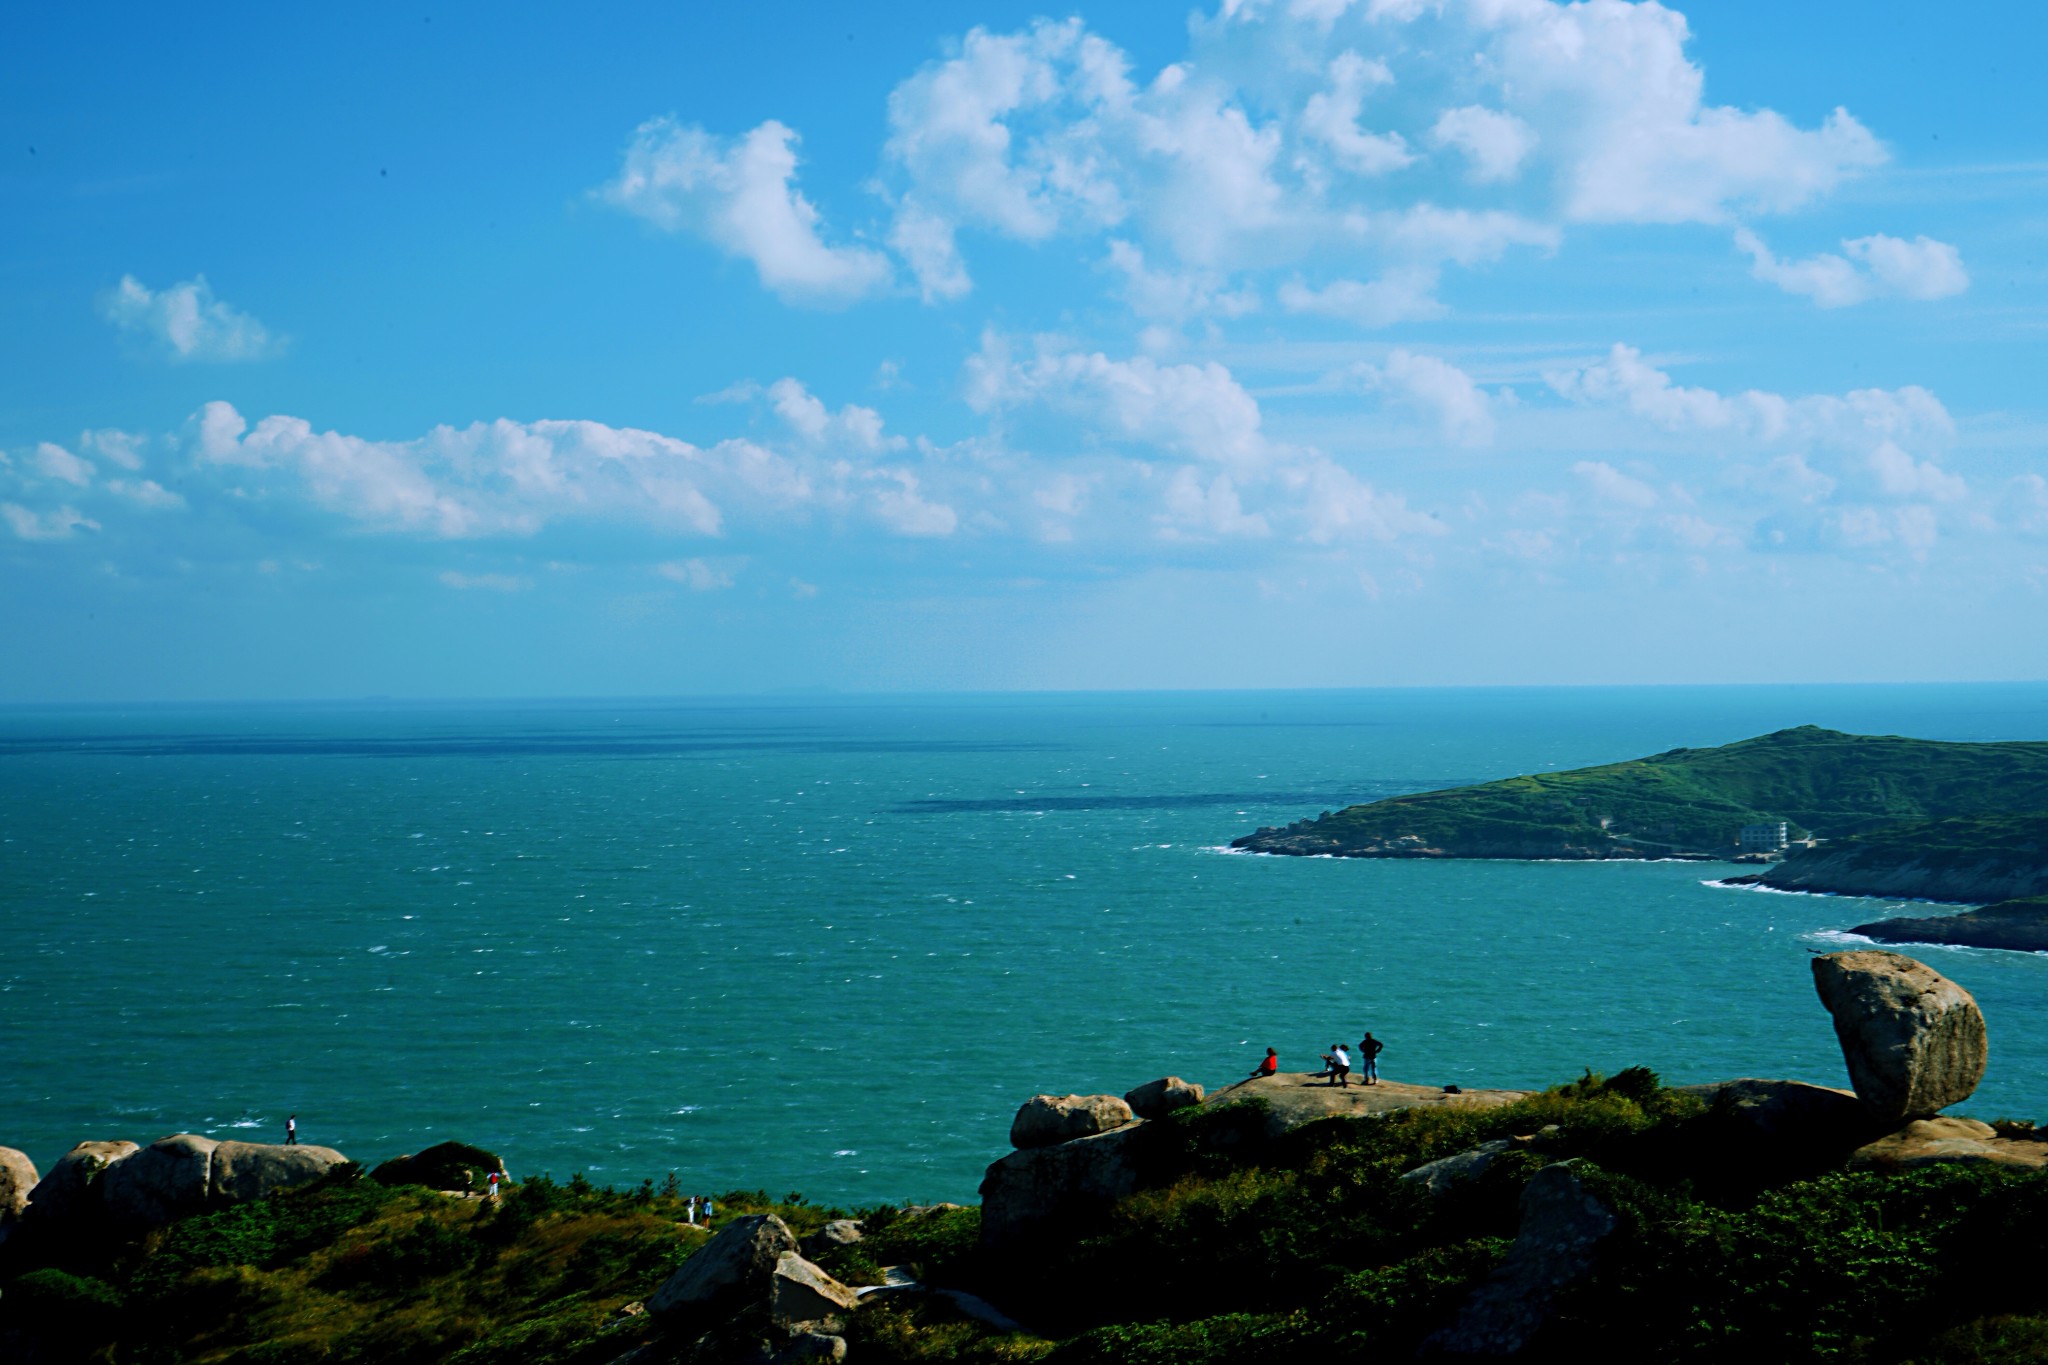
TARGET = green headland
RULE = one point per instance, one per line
(1869, 815)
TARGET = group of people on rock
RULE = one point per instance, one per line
(1336, 1062)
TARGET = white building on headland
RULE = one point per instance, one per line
(1770, 837)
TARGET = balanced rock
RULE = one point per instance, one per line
(1157, 1099)
(1949, 1141)
(172, 1178)
(70, 1192)
(801, 1296)
(444, 1166)
(728, 1272)
(1914, 1040)
(1563, 1225)
(1048, 1119)
(17, 1178)
(244, 1172)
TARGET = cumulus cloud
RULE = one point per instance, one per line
(1331, 118)
(1438, 388)
(740, 195)
(1870, 267)
(185, 322)
(1611, 485)
(1494, 143)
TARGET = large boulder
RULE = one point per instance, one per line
(172, 1178)
(444, 1166)
(1449, 1173)
(1563, 1226)
(801, 1297)
(727, 1273)
(1036, 1185)
(70, 1192)
(17, 1178)
(1157, 1099)
(1914, 1040)
(1950, 1141)
(1048, 1119)
(244, 1172)
(840, 1232)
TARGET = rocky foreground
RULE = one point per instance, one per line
(1278, 1219)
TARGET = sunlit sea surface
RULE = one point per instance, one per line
(829, 945)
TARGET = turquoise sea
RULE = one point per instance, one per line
(829, 944)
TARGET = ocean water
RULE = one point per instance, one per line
(829, 945)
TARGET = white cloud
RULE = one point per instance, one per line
(697, 575)
(1331, 118)
(56, 523)
(1175, 295)
(1855, 420)
(852, 427)
(1494, 143)
(1612, 485)
(740, 194)
(55, 462)
(1198, 410)
(1403, 294)
(1874, 267)
(185, 322)
(1203, 508)
(1439, 388)
(926, 243)
(904, 509)
(1899, 475)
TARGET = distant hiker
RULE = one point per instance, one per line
(708, 1210)
(690, 1211)
(1340, 1065)
(291, 1131)
(1369, 1050)
(1269, 1067)
(494, 1187)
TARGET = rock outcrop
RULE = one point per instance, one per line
(1037, 1185)
(729, 1272)
(444, 1166)
(172, 1178)
(1950, 1141)
(1046, 1119)
(1913, 1039)
(1563, 1225)
(803, 1298)
(17, 1178)
(70, 1192)
(2019, 926)
(1778, 1129)
(1294, 1098)
(1440, 1177)
(840, 1232)
(247, 1171)
(1157, 1099)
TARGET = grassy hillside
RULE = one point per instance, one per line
(1691, 801)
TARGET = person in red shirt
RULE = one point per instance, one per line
(1269, 1067)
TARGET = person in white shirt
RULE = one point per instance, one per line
(1340, 1066)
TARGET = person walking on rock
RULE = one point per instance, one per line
(291, 1131)
(1340, 1066)
(1269, 1067)
(1369, 1050)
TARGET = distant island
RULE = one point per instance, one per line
(1822, 811)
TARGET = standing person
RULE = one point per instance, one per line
(291, 1131)
(1269, 1067)
(1340, 1065)
(690, 1211)
(709, 1209)
(494, 1187)
(1369, 1050)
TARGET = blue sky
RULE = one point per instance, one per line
(503, 350)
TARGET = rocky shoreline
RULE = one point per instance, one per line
(1275, 1219)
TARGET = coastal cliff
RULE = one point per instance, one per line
(1974, 859)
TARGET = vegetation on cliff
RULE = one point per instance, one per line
(1305, 1247)
(1693, 802)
